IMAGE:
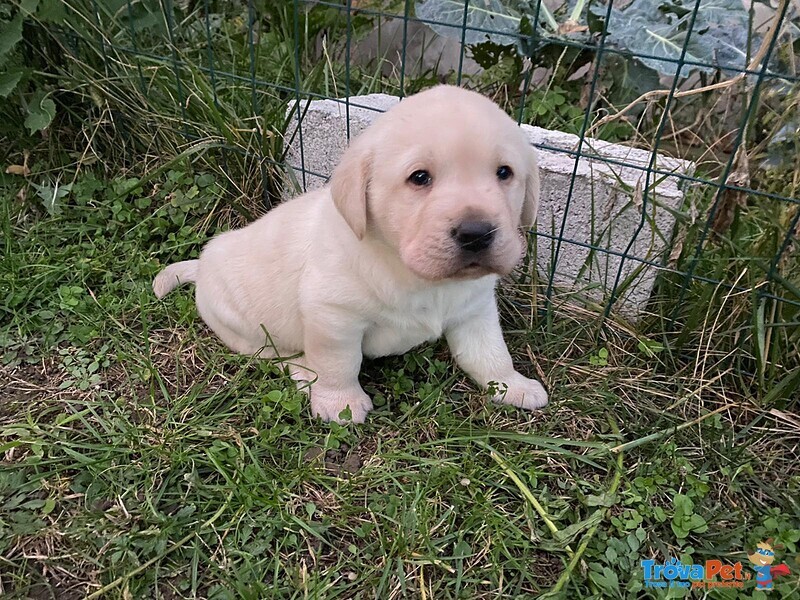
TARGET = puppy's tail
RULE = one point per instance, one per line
(174, 275)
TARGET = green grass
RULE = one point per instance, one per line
(143, 460)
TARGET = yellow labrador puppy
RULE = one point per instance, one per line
(407, 242)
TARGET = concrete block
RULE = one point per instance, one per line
(605, 207)
(605, 211)
(324, 134)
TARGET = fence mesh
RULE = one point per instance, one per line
(702, 81)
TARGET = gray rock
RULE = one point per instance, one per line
(426, 52)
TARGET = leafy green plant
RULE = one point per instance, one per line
(685, 520)
(600, 359)
(10, 36)
(29, 94)
(657, 31)
(83, 369)
(654, 30)
(487, 20)
(556, 106)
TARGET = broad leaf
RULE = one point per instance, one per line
(501, 24)
(28, 7)
(628, 77)
(8, 81)
(51, 196)
(10, 34)
(41, 111)
(52, 11)
(658, 31)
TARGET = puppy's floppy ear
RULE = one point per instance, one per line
(530, 205)
(349, 185)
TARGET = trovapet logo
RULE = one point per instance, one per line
(674, 573)
(715, 573)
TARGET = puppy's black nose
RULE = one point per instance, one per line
(474, 236)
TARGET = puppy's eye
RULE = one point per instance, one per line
(420, 178)
(504, 173)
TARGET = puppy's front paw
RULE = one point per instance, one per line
(522, 392)
(328, 404)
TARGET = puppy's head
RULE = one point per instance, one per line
(446, 179)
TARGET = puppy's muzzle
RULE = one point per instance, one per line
(474, 236)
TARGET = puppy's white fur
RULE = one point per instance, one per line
(369, 265)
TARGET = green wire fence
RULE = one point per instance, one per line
(224, 63)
